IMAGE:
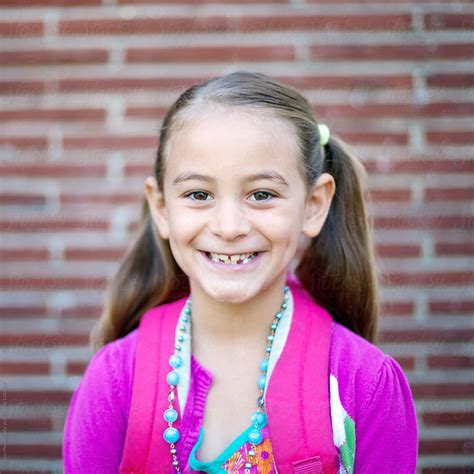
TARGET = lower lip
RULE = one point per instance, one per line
(232, 267)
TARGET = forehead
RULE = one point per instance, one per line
(233, 142)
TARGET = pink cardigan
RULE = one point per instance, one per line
(368, 388)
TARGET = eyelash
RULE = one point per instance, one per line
(203, 192)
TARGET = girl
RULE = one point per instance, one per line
(217, 352)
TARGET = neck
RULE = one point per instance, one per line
(242, 323)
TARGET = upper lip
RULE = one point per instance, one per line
(233, 253)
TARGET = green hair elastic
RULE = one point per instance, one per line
(324, 134)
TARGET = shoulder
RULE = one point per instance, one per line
(97, 415)
(372, 407)
(111, 369)
(359, 368)
(115, 354)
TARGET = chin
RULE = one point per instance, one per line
(229, 295)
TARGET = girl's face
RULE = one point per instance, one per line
(232, 187)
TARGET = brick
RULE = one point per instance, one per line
(95, 198)
(450, 361)
(398, 250)
(449, 21)
(52, 170)
(22, 311)
(69, 115)
(180, 83)
(24, 142)
(21, 28)
(352, 81)
(446, 470)
(29, 424)
(448, 137)
(198, 2)
(33, 397)
(397, 308)
(49, 3)
(82, 311)
(42, 340)
(95, 255)
(450, 80)
(448, 418)
(22, 254)
(429, 279)
(445, 446)
(451, 307)
(407, 363)
(25, 472)
(21, 198)
(441, 390)
(112, 84)
(361, 2)
(421, 166)
(22, 87)
(76, 368)
(424, 222)
(24, 368)
(449, 194)
(370, 110)
(146, 112)
(138, 169)
(111, 142)
(392, 52)
(427, 335)
(457, 248)
(53, 57)
(40, 451)
(214, 24)
(391, 194)
(211, 54)
(374, 22)
(375, 138)
(52, 283)
(53, 224)
(141, 26)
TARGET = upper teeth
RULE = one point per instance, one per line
(232, 258)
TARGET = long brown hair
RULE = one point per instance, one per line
(338, 266)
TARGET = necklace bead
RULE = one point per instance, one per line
(171, 435)
(176, 361)
(255, 437)
(172, 378)
(170, 415)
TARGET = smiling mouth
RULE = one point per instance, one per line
(232, 260)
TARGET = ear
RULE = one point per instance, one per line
(318, 203)
(157, 207)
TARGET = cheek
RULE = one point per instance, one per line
(184, 225)
(282, 225)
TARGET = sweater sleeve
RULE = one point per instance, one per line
(95, 425)
(387, 433)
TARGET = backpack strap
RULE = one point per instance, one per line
(298, 399)
(156, 333)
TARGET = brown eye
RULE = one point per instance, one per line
(201, 193)
(264, 193)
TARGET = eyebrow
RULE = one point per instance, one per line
(265, 174)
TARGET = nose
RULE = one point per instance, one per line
(229, 220)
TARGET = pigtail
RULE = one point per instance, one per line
(147, 276)
(338, 266)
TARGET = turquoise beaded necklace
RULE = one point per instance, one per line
(171, 434)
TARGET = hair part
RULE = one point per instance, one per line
(338, 266)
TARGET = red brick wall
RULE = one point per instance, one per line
(83, 89)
